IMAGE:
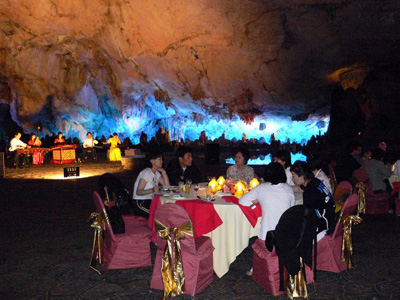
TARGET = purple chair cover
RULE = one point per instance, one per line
(126, 250)
(376, 203)
(197, 253)
(329, 248)
(266, 268)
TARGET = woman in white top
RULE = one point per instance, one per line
(147, 183)
(240, 171)
(275, 197)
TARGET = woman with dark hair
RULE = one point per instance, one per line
(316, 197)
(37, 157)
(285, 159)
(274, 196)
(147, 183)
(316, 165)
(240, 170)
(60, 140)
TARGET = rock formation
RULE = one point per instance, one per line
(130, 65)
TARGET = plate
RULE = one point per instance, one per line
(178, 197)
(172, 188)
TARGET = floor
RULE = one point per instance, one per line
(46, 244)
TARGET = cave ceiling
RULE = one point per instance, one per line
(177, 58)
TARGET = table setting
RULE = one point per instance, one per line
(215, 212)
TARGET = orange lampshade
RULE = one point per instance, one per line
(213, 183)
(239, 189)
(221, 180)
(254, 182)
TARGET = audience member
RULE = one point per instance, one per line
(182, 167)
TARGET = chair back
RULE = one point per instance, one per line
(360, 175)
(332, 176)
(348, 208)
(173, 215)
(100, 208)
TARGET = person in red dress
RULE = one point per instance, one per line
(37, 157)
(60, 139)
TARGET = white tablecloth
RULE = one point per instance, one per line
(230, 238)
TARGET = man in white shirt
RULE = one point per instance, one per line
(89, 147)
(16, 144)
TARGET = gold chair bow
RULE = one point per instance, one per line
(172, 274)
(347, 244)
(296, 286)
(99, 225)
(361, 198)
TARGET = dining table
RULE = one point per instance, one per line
(229, 225)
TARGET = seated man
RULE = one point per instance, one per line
(16, 144)
(89, 147)
(182, 167)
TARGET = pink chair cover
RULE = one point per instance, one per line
(342, 192)
(126, 250)
(197, 253)
(155, 204)
(361, 175)
(203, 215)
(376, 203)
(266, 268)
(329, 248)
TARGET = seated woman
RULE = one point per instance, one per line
(275, 197)
(316, 197)
(60, 140)
(37, 157)
(147, 183)
(240, 171)
(115, 152)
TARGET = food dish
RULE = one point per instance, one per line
(167, 188)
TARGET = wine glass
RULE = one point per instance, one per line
(196, 187)
(213, 192)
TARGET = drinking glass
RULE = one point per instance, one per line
(196, 187)
(181, 185)
(213, 192)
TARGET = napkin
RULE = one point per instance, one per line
(204, 216)
(251, 214)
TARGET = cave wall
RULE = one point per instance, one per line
(132, 65)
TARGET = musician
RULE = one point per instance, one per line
(89, 147)
(115, 152)
(60, 139)
(37, 157)
(16, 144)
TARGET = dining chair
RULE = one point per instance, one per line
(329, 248)
(196, 253)
(294, 237)
(126, 250)
(266, 268)
(332, 175)
(360, 175)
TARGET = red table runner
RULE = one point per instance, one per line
(251, 214)
(203, 215)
